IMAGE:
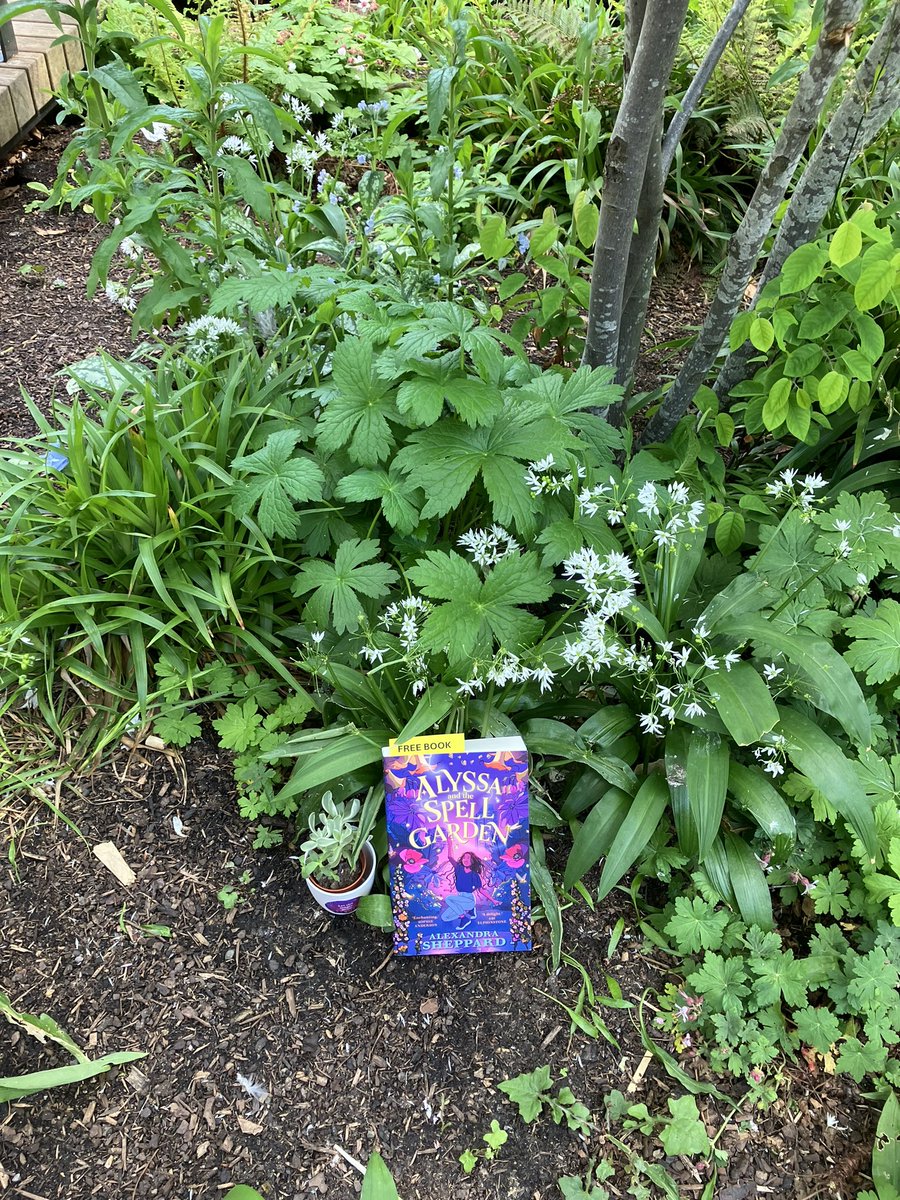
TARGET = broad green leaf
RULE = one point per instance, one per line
(775, 409)
(329, 759)
(375, 909)
(634, 833)
(358, 416)
(492, 237)
(241, 1192)
(546, 890)
(743, 702)
(528, 1092)
(822, 762)
(595, 837)
(707, 783)
(877, 277)
(399, 496)
(432, 708)
(746, 593)
(440, 82)
(756, 796)
(803, 361)
(845, 244)
(832, 685)
(17, 1087)
(802, 268)
(748, 882)
(832, 391)
(762, 335)
(730, 531)
(676, 757)
(378, 1183)
(685, 1132)
(886, 1151)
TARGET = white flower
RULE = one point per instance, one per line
(831, 1122)
(694, 710)
(489, 546)
(842, 526)
(418, 687)
(158, 132)
(373, 653)
(772, 672)
(774, 768)
(701, 630)
(731, 659)
(468, 687)
(812, 483)
(711, 662)
(648, 500)
(544, 676)
(650, 723)
(678, 492)
(318, 637)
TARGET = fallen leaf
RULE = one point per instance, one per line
(429, 1007)
(114, 862)
(249, 1127)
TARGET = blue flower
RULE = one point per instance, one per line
(369, 227)
(55, 460)
(457, 172)
(362, 159)
(436, 279)
(523, 242)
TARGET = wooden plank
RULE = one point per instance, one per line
(9, 126)
(55, 56)
(35, 67)
(26, 27)
(16, 83)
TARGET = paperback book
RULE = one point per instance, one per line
(457, 822)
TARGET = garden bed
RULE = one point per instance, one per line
(354, 1048)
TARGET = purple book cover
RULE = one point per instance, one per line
(458, 844)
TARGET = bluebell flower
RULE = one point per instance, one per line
(55, 460)
(523, 242)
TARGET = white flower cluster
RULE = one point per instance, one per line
(772, 756)
(609, 583)
(488, 546)
(543, 480)
(802, 494)
(302, 158)
(205, 334)
(405, 618)
(298, 108)
(505, 668)
(119, 294)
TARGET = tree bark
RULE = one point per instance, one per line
(868, 105)
(636, 126)
(827, 59)
(704, 73)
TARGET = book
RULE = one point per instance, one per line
(457, 823)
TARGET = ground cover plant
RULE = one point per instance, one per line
(343, 498)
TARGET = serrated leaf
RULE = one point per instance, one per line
(277, 482)
(876, 645)
(685, 1133)
(239, 726)
(398, 495)
(358, 415)
(336, 587)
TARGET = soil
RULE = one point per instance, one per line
(281, 1043)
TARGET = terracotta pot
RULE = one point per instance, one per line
(344, 900)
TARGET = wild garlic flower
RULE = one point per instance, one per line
(205, 335)
(589, 499)
(488, 546)
(803, 494)
(543, 479)
(405, 618)
(118, 294)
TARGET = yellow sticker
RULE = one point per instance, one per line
(433, 743)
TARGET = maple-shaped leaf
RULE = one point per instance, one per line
(788, 556)
(480, 613)
(399, 496)
(423, 397)
(530, 1092)
(359, 408)
(444, 324)
(863, 534)
(859, 1059)
(570, 404)
(779, 976)
(817, 1027)
(336, 587)
(876, 645)
(239, 726)
(696, 925)
(177, 728)
(721, 981)
(277, 481)
(447, 459)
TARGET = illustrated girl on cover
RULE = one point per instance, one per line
(471, 881)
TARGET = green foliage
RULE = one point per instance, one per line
(822, 327)
(44, 1029)
(532, 1094)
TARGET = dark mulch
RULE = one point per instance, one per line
(46, 321)
(356, 1050)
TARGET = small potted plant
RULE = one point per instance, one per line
(337, 859)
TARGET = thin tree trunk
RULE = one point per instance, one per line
(637, 123)
(641, 263)
(827, 59)
(704, 73)
(866, 108)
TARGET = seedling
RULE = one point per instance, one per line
(495, 1137)
(531, 1093)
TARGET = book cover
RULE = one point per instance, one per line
(457, 822)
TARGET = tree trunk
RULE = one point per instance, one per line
(637, 124)
(868, 105)
(704, 73)
(743, 252)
